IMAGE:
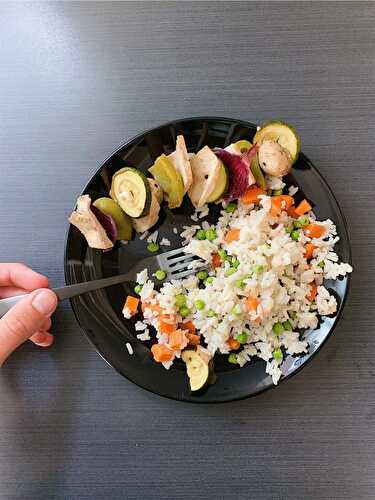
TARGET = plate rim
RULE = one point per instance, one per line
(297, 370)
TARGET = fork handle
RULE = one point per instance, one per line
(69, 291)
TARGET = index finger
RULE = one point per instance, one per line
(21, 276)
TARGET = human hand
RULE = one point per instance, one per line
(29, 318)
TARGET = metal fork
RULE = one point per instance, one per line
(175, 263)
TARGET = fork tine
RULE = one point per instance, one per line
(188, 272)
(181, 265)
(183, 258)
(172, 253)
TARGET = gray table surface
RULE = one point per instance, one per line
(76, 80)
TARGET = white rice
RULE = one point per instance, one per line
(165, 242)
(153, 237)
(292, 190)
(143, 337)
(175, 230)
(281, 285)
(142, 236)
(129, 348)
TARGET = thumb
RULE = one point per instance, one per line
(24, 319)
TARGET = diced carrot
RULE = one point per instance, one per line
(303, 207)
(280, 203)
(131, 304)
(291, 211)
(313, 292)
(252, 194)
(176, 339)
(252, 303)
(193, 339)
(233, 344)
(309, 250)
(232, 235)
(314, 230)
(189, 326)
(155, 308)
(166, 327)
(161, 353)
(216, 260)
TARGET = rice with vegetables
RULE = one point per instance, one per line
(264, 284)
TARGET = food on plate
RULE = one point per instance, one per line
(207, 171)
(142, 224)
(181, 162)
(283, 134)
(131, 190)
(84, 219)
(123, 222)
(267, 258)
(169, 179)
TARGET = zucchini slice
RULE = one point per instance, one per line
(197, 369)
(131, 190)
(221, 184)
(281, 132)
(169, 179)
(257, 172)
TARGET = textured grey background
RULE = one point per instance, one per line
(75, 81)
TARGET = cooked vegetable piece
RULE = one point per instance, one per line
(243, 145)
(257, 172)
(165, 327)
(162, 353)
(233, 344)
(197, 369)
(280, 203)
(314, 230)
(153, 247)
(188, 325)
(231, 207)
(240, 177)
(206, 172)
(232, 235)
(313, 292)
(216, 260)
(221, 184)
(303, 207)
(123, 222)
(192, 338)
(169, 179)
(160, 274)
(177, 340)
(181, 162)
(84, 220)
(184, 311)
(131, 304)
(278, 328)
(252, 194)
(232, 358)
(252, 303)
(309, 250)
(282, 133)
(107, 222)
(131, 190)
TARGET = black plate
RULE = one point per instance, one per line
(99, 313)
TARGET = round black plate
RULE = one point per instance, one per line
(99, 313)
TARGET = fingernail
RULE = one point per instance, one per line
(44, 302)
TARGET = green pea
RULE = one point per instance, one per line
(202, 275)
(277, 354)
(242, 338)
(230, 271)
(184, 311)
(277, 192)
(200, 304)
(138, 288)
(287, 326)
(180, 300)
(294, 235)
(211, 313)
(211, 234)
(321, 264)
(222, 254)
(235, 262)
(200, 234)
(209, 280)
(278, 328)
(240, 284)
(153, 247)
(160, 275)
(288, 230)
(257, 269)
(231, 207)
(301, 221)
(232, 358)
